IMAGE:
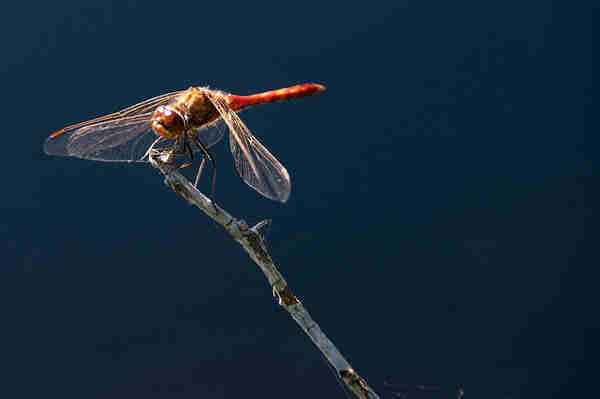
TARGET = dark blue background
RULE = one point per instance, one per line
(438, 229)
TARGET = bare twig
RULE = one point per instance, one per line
(251, 240)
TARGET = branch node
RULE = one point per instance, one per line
(242, 226)
(261, 225)
(285, 296)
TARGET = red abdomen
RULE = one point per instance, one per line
(240, 102)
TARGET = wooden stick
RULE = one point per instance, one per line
(251, 240)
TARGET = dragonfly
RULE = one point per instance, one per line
(185, 122)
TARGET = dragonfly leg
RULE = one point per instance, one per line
(199, 171)
(187, 149)
(151, 148)
(172, 150)
(207, 154)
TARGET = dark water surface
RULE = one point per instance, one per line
(439, 227)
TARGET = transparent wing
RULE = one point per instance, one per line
(212, 134)
(99, 138)
(255, 164)
(144, 107)
(123, 139)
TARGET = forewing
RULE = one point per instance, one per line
(255, 164)
(141, 108)
(78, 139)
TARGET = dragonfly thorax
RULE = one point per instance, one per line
(168, 122)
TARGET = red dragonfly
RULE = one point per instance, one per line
(187, 121)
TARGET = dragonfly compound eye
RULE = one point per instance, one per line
(167, 122)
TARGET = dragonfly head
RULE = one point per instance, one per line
(167, 122)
